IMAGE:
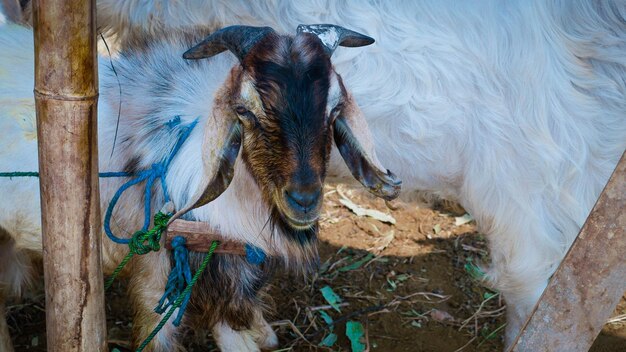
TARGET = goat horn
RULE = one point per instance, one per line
(238, 39)
(333, 36)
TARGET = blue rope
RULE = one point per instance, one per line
(158, 170)
(116, 174)
(254, 255)
(180, 281)
(19, 174)
(177, 281)
(180, 277)
(177, 303)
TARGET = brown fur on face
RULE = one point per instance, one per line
(281, 100)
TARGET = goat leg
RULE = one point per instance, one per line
(259, 337)
(147, 284)
(263, 333)
(231, 335)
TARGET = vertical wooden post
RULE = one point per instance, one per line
(588, 284)
(66, 93)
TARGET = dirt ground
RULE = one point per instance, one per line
(413, 286)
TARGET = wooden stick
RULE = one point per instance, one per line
(588, 284)
(66, 92)
(199, 237)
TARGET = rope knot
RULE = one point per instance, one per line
(144, 242)
(161, 219)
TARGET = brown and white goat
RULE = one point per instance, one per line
(253, 168)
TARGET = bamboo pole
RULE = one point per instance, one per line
(588, 284)
(66, 93)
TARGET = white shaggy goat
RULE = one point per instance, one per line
(265, 125)
(514, 109)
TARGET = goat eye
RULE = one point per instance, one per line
(241, 110)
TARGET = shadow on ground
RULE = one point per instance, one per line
(412, 285)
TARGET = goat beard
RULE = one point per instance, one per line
(301, 237)
(302, 256)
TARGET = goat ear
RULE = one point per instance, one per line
(218, 172)
(383, 184)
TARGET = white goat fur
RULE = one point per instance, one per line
(239, 212)
(517, 110)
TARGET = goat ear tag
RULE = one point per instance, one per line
(215, 184)
(383, 184)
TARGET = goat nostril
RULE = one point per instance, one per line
(303, 199)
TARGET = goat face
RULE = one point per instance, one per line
(284, 104)
(288, 130)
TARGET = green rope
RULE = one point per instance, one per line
(180, 298)
(19, 174)
(141, 243)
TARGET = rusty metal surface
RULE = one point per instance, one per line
(588, 284)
